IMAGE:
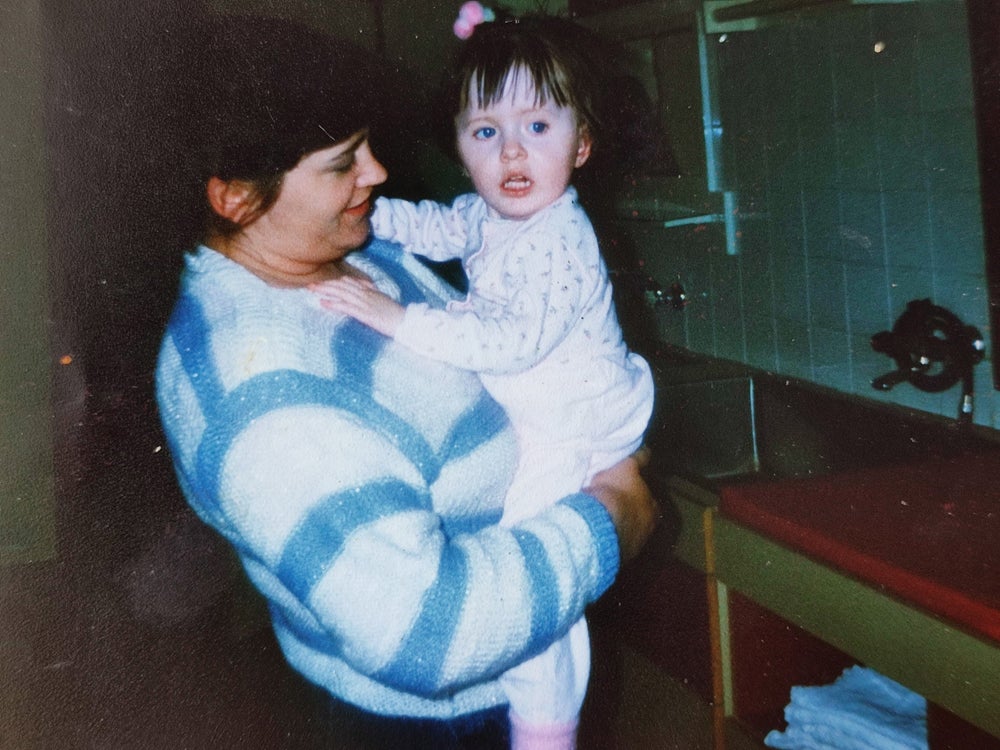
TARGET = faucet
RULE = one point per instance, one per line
(933, 350)
(657, 296)
(640, 284)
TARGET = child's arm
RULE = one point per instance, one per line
(551, 289)
(361, 299)
(432, 229)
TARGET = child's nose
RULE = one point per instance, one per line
(512, 149)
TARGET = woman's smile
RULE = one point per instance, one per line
(361, 209)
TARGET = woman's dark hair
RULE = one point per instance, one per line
(262, 93)
(561, 58)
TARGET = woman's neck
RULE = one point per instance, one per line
(275, 269)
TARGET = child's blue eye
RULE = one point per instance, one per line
(539, 127)
(484, 132)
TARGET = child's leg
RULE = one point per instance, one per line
(546, 473)
(525, 736)
(546, 693)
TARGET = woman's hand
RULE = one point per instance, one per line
(359, 298)
(628, 500)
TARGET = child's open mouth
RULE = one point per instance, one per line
(517, 184)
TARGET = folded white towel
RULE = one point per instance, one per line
(861, 710)
(806, 738)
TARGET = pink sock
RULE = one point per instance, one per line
(525, 736)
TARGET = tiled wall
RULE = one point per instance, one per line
(850, 134)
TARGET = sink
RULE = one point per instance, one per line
(706, 428)
(720, 422)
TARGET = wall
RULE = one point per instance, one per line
(850, 135)
(26, 473)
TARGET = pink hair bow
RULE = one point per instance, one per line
(470, 15)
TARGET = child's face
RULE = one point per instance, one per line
(520, 155)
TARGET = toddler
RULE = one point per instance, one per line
(538, 323)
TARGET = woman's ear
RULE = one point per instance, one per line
(231, 199)
(584, 144)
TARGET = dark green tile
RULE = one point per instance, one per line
(896, 21)
(945, 72)
(907, 228)
(757, 292)
(750, 157)
(942, 17)
(791, 298)
(854, 79)
(902, 164)
(951, 150)
(965, 295)
(867, 300)
(827, 295)
(761, 349)
(785, 226)
(829, 348)
(792, 344)
(957, 232)
(814, 79)
(908, 284)
(819, 165)
(861, 228)
(821, 209)
(896, 76)
(857, 155)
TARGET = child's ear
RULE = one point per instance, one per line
(584, 144)
(231, 199)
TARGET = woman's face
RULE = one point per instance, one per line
(323, 207)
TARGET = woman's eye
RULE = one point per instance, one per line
(484, 132)
(539, 127)
(343, 167)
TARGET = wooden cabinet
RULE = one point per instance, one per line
(740, 619)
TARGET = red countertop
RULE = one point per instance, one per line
(928, 533)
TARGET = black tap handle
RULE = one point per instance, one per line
(890, 379)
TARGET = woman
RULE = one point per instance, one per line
(360, 484)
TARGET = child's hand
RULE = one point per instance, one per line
(360, 299)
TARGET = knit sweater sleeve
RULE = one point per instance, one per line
(367, 526)
(434, 230)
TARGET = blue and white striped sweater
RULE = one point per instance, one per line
(361, 485)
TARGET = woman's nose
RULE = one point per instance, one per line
(371, 171)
